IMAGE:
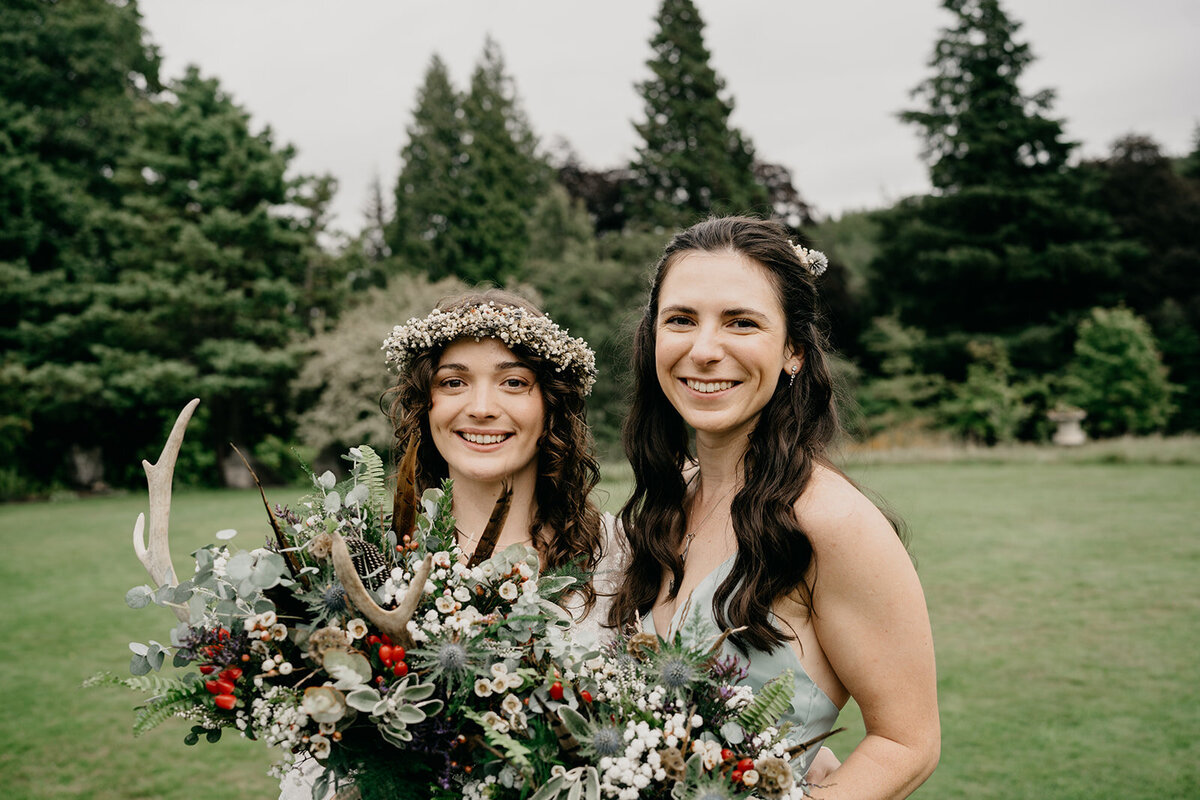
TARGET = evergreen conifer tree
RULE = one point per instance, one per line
(426, 230)
(690, 162)
(1007, 243)
(503, 176)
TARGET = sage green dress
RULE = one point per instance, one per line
(812, 712)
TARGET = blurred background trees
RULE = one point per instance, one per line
(156, 245)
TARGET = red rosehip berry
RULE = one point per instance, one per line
(225, 701)
(231, 673)
(556, 691)
(400, 670)
(386, 639)
(207, 669)
(373, 640)
(398, 653)
(726, 754)
(746, 764)
(219, 686)
(585, 696)
(385, 653)
(736, 776)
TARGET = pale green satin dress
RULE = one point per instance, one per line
(812, 713)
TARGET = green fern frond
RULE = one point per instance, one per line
(374, 476)
(162, 708)
(769, 704)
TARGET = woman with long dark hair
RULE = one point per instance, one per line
(754, 530)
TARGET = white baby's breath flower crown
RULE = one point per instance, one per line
(813, 260)
(510, 324)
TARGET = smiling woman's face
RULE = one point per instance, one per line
(721, 341)
(487, 412)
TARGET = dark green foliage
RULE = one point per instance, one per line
(1009, 240)
(425, 231)
(1154, 204)
(150, 251)
(470, 179)
(503, 175)
(690, 162)
(598, 297)
(979, 129)
(1117, 375)
(987, 407)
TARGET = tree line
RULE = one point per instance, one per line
(153, 248)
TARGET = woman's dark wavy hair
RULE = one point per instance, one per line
(793, 434)
(566, 526)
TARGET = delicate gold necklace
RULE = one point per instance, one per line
(687, 539)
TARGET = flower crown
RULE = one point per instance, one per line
(814, 261)
(510, 324)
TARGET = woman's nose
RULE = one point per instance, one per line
(706, 346)
(483, 402)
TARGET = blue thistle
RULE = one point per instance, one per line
(607, 741)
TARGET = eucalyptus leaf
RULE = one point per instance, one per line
(213, 736)
(139, 596)
(137, 648)
(138, 665)
(327, 480)
(333, 503)
(196, 608)
(191, 739)
(239, 566)
(348, 669)
(358, 495)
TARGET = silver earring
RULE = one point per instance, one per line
(791, 380)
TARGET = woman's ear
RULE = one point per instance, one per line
(795, 360)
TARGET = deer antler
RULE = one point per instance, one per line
(157, 557)
(395, 622)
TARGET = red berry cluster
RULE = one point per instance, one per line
(223, 685)
(557, 691)
(390, 657)
(740, 766)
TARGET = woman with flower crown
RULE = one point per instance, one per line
(494, 392)
(756, 531)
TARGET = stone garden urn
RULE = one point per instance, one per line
(1069, 432)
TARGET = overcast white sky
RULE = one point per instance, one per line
(816, 85)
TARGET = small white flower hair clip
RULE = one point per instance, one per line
(814, 261)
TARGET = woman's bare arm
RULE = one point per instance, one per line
(873, 626)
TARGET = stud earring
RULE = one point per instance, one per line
(791, 380)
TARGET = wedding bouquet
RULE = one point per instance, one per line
(380, 655)
(655, 718)
(361, 640)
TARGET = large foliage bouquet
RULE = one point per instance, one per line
(365, 646)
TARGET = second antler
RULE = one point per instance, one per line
(156, 557)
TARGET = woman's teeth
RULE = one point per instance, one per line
(484, 438)
(717, 386)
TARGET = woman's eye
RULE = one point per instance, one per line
(677, 320)
(744, 323)
(453, 383)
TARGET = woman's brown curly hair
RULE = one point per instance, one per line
(566, 525)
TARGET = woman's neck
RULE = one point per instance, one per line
(720, 461)
(473, 504)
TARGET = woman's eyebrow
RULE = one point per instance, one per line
(452, 367)
(512, 365)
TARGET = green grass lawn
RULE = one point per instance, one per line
(1065, 601)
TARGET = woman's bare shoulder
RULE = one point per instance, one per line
(831, 503)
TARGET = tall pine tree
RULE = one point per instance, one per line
(691, 161)
(425, 231)
(1007, 243)
(470, 179)
(503, 176)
